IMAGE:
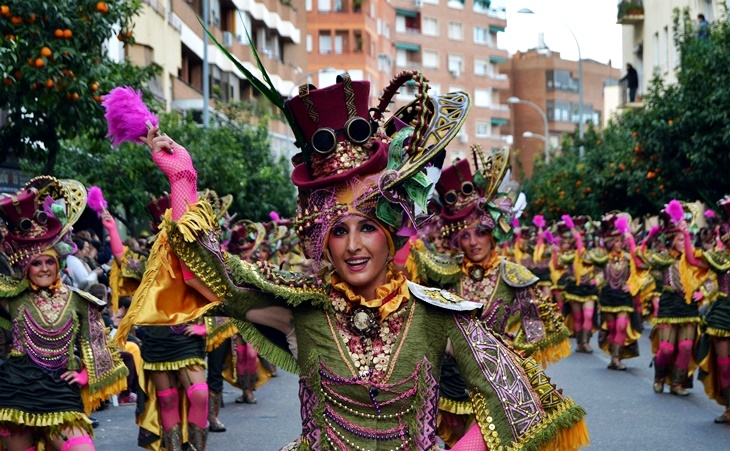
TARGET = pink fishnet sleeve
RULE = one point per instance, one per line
(178, 167)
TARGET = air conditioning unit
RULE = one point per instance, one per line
(227, 39)
(463, 138)
(418, 3)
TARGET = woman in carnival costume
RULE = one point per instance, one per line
(713, 349)
(620, 282)
(476, 220)
(533, 250)
(60, 367)
(676, 323)
(578, 282)
(367, 343)
(172, 357)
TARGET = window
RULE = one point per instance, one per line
(323, 5)
(325, 44)
(436, 2)
(338, 6)
(308, 5)
(456, 64)
(481, 67)
(456, 4)
(560, 80)
(481, 35)
(431, 59)
(656, 49)
(430, 26)
(482, 97)
(309, 43)
(481, 6)
(665, 63)
(400, 24)
(456, 31)
(401, 57)
(483, 129)
(435, 89)
(338, 44)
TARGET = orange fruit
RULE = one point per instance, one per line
(102, 7)
(75, 96)
(45, 51)
(7, 81)
(58, 33)
(67, 33)
(128, 34)
(97, 98)
(49, 83)
(94, 87)
(39, 62)
(31, 18)
(16, 20)
(4, 10)
(18, 75)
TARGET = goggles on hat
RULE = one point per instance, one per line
(357, 130)
(451, 196)
(25, 224)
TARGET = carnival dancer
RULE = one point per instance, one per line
(535, 252)
(578, 282)
(713, 349)
(476, 220)
(675, 325)
(620, 322)
(367, 343)
(46, 391)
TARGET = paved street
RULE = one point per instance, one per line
(623, 412)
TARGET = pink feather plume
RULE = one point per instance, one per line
(95, 200)
(653, 231)
(710, 214)
(622, 224)
(274, 216)
(549, 238)
(515, 222)
(568, 221)
(675, 211)
(539, 221)
(126, 115)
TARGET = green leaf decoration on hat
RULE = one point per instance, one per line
(59, 211)
(416, 187)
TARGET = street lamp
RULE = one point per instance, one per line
(580, 78)
(516, 100)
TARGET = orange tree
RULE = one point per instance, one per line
(54, 70)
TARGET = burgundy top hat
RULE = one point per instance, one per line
(157, 208)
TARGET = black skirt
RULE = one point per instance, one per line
(161, 344)
(610, 297)
(672, 305)
(541, 273)
(717, 317)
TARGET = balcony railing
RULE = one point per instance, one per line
(630, 12)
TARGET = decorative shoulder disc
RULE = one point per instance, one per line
(516, 275)
(439, 269)
(87, 296)
(598, 255)
(718, 260)
(441, 298)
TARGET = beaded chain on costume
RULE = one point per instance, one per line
(479, 290)
(673, 279)
(47, 347)
(50, 304)
(97, 353)
(371, 354)
(617, 271)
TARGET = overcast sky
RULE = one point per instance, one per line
(592, 21)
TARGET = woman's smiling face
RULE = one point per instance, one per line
(359, 252)
(43, 271)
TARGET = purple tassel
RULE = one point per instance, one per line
(95, 200)
(126, 115)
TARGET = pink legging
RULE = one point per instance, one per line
(198, 397)
(169, 407)
(723, 367)
(577, 321)
(79, 441)
(471, 441)
(246, 362)
(622, 325)
(664, 354)
(587, 319)
(611, 331)
(684, 354)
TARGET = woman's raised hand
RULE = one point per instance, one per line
(169, 156)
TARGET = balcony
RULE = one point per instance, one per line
(630, 12)
(625, 102)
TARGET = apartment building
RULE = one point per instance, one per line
(648, 42)
(354, 36)
(169, 33)
(454, 43)
(541, 77)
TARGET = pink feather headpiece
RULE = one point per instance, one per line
(539, 221)
(653, 231)
(675, 211)
(568, 221)
(126, 115)
(274, 216)
(549, 238)
(710, 214)
(515, 222)
(622, 224)
(95, 200)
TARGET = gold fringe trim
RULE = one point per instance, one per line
(573, 298)
(570, 439)
(174, 366)
(218, 337)
(93, 400)
(54, 422)
(552, 354)
(688, 320)
(714, 332)
(199, 219)
(618, 309)
(456, 407)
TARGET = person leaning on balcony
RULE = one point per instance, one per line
(632, 78)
